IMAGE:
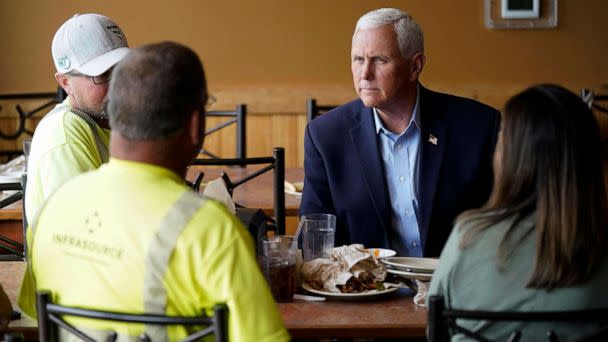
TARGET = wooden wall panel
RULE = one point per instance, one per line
(259, 136)
(285, 133)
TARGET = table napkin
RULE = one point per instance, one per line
(15, 167)
(217, 190)
(420, 297)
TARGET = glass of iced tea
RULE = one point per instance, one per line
(278, 262)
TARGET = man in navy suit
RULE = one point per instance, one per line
(400, 163)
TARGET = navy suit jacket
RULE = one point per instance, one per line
(344, 173)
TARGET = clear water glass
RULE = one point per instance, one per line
(318, 235)
(26, 150)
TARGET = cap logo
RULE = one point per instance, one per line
(116, 30)
(63, 62)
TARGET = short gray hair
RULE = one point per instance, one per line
(154, 90)
(409, 34)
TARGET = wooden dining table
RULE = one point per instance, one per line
(392, 316)
(255, 193)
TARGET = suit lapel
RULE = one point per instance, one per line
(365, 143)
(433, 141)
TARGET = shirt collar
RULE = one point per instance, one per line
(141, 167)
(415, 116)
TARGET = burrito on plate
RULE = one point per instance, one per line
(349, 269)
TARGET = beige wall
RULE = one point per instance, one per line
(273, 54)
(294, 42)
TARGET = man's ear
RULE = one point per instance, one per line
(195, 128)
(416, 66)
(63, 81)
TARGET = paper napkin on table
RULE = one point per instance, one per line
(11, 173)
(420, 297)
(13, 167)
(216, 189)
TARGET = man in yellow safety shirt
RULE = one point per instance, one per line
(131, 236)
(73, 137)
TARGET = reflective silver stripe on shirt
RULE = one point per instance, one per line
(101, 147)
(159, 253)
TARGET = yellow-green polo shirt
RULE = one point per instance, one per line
(63, 146)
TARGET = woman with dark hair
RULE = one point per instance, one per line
(539, 243)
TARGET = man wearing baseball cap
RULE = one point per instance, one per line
(73, 138)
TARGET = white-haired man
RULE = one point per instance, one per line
(73, 138)
(397, 165)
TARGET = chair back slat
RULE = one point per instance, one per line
(313, 109)
(50, 318)
(442, 321)
(22, 116)
(435, 319)
(276, 163)
(239, 116)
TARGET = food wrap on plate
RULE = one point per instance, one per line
(349, 269)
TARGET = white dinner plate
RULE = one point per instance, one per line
(292, 188)
(379, 253)
(350, 296)
(416, 265)
(411, 275)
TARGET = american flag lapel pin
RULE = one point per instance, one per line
(432, 139)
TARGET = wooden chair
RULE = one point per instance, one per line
(276, 163)
(313, 110)
(50, 318)
(238, 117)
(442, 321)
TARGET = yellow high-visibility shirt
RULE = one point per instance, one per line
(63, 146)
(131, 237)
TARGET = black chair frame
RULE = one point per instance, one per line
(591, 99)
(313, 109)
(17, 250)
(276, 163)
(55, 98)
(49, 320)
(442, 321)
(239, 118)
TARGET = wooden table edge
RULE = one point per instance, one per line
(348, 332)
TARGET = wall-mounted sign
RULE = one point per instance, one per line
(520, 14)
(519, 9)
